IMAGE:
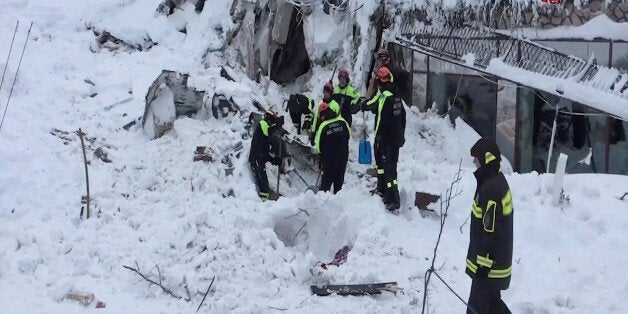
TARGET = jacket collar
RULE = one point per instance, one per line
(485, 172)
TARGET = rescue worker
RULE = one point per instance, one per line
(400, 77)
(332, 143)
(346, 95)
(260, 152)
(330, 100)
(299, 105)
(390, 126)
(489, 257)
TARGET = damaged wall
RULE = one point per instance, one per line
(168, 97)
(269, 39)
(277, 39)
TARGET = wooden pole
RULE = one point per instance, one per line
(81, 134)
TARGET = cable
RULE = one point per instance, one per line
(16, 73)
(9, 56)
(452, 290)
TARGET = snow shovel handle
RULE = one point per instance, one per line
(364, 132)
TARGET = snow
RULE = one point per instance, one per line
(155, 208)
(600, 26)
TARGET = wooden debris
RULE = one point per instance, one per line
(84, 298)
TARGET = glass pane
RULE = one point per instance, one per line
(437, 92)
(583, 49)
(419, 82)
(473, 99)
(505, 121)
(620, 56)
(439, 66)
(617, 147)
(420, 62)
(580, 134)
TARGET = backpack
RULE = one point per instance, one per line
(399, 120)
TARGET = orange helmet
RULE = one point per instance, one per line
(324, 106)
(383, 74)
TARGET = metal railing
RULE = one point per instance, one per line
(453, 43)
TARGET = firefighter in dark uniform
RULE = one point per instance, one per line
(332, 143)
(390, 126)
(489, 257)
(346, 96)
(299, 105)
(331, 100)
(260, 153)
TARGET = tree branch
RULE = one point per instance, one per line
(137, 271)
(206, 292)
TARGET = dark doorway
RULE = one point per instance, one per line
(291, 60)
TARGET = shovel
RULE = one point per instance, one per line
(364, 154)
(313, 188)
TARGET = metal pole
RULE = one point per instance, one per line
(279, 166)
(81, 134)
(551, 147)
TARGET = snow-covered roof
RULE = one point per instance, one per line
(563, 87)
(524, 62)
(598, 27)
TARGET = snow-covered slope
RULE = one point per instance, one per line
(158, 210)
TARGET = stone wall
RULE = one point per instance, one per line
(504, 14)
(548, 16)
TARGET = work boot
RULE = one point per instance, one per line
(392, 207)
(392, 200)
(274, 196)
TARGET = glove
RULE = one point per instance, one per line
(362, 104)
(275, 161)
(355, 107)
(482, 272)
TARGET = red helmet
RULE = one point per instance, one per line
(383, 74)
(328, 87)
(324, 106)
(343, 73)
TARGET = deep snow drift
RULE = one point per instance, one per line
(157, 209)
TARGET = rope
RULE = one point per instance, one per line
(9, 56)
(16, 73)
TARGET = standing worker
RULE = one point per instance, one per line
(346, 95)
(332, 143)
(390, 127)
(489, 257)
(328, 98)
(260, 153)
(400, 77)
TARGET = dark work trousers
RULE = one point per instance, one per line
(333, 174)
(379, 163)
(386, 158)
(258, 167)
(486, 298)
